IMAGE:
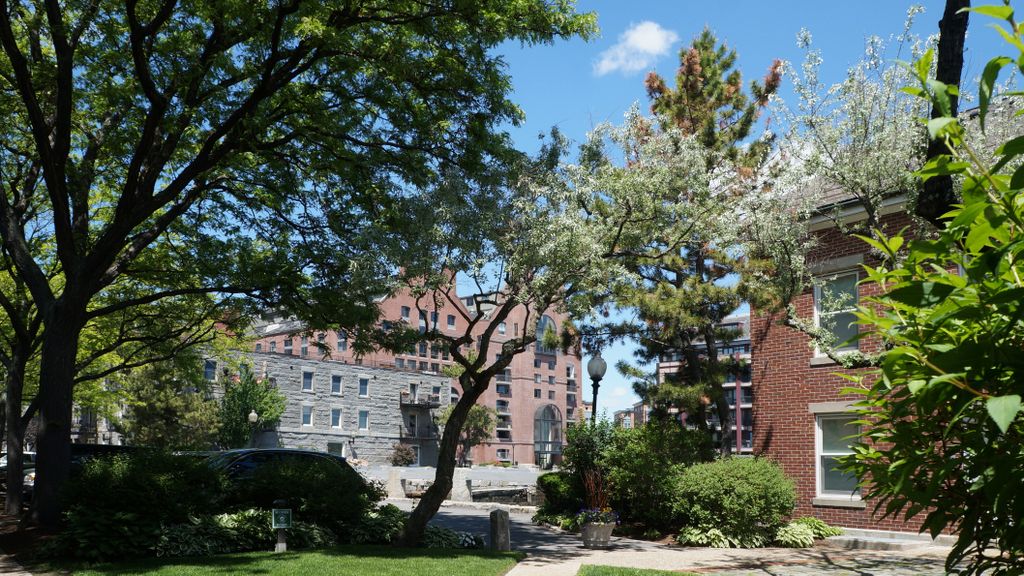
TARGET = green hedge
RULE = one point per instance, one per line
(745, 499)
(563, 493)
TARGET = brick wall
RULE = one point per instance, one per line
(789, 382)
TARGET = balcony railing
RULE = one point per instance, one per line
(410, 433)
(503, 410)
(426, 400)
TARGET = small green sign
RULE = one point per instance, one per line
(282, 518)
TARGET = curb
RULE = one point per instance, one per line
(510, 508)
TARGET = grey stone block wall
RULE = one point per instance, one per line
(387, 416)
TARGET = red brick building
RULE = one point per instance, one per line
(535, 398)
(800, 416)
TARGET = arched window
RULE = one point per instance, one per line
(545, 330)
(547, 436)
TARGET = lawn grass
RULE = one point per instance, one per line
(341, 561)
(590, 570)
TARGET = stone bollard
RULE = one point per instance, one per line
(461, 486)
(394, 486)
(501, 537)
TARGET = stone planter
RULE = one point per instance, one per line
(597, 534)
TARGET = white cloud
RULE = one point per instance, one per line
(638, 47)
(619, 392)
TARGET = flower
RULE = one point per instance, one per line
(598, 515)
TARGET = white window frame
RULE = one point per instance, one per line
(819, 452)
(360, 390)
(341, 416)
(416, 454)
(359, 420)
(302, 415)
(821, 280)
(341, 384)
(312, 377)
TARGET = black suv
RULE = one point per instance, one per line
(243, 463)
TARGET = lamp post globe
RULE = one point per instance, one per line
(596, 368)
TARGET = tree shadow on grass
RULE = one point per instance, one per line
(255, 563)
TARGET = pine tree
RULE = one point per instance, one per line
(686, 272)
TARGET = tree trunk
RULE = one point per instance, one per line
(937, 196)
(15, 433)
(56, 383)
(431, 501)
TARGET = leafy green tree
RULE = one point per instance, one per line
(541, 250)
(942, 429)
(229, 148)
(477, 429)
(169, 405)
(243, 395)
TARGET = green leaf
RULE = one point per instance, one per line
(938, 126)
(921, 294)
(1003, 409)
(1012, 148)
(988, 80)
(1000, 12)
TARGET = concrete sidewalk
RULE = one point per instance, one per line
(822, 559)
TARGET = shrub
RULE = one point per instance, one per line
(818, 527)
(563, 492)
(794, 535)
(715, 538)
(585, 443)
(199, 537)
(380, 526)
(565, 521)
(117, 506)
(316, 491)
(744, 498)
(438, 537)
(402, 455)
(641, 464)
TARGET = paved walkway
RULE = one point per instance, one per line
(554, 553)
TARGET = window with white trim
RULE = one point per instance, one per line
(335, 417)
(336, 384)
(307, 415)
(835, 301)
(364, 419)
(364, 386)
(834, 434)
(307, 381)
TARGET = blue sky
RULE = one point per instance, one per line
(576, 85)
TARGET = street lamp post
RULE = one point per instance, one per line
(253, 419)
(596, 368)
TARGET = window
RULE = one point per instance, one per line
(416, 455)
(405, 313)
(501, 406)
(835, 301)
(570, 371)
(832, 442)
(551, 394)
(747, 395)
(551, 379)
(503, 454)
(504, 389)
(551, 365)
(423, 366)
(501, 328)
(287, 345)
(210, 370)
(435, 367)
(304, 348)
(536, 378)
(546, 331)
(730, 396)
(259, 347)
(536, 392)
(400, 363)
(364, 387)
(433, 319)
(423, 349)
(335, 417)
(433, 351)
(307, 381)
(342, 340)
(747, 417)
(536, 362)
(307, 415)
(515, 328)
(273, 345)
(335, 383)
(451, 321)
(364, 419)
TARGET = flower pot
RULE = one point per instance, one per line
(597, 534)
